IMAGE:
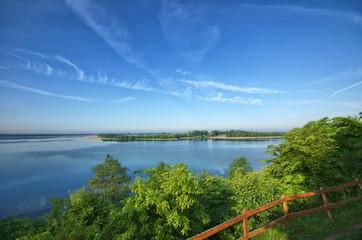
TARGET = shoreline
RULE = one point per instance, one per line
(265, 137)
(187, 138)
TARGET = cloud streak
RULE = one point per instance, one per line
(345, 89)
(315, 12)
(338, 92)
(187, 27)
(40, 92)
(108, 28)
(31, 65)
(207, 84)
(220, 98)
(122, 100)
(338, 76)
(139, 85)
(80, 72)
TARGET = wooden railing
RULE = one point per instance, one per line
(284, 200)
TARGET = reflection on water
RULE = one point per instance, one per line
(33, 170)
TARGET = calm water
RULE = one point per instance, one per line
(35, 169)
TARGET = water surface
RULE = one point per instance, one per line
(34, 169)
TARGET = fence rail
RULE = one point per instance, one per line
(284, 200)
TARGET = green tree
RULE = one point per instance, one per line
(324, 153)
(83, 216)
(166, 205)
(215, 199)
(239, 166)
(111, 179)
(250, 191)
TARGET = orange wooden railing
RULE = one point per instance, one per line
(246, 214)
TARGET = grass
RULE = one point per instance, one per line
(354, 235)
(318, 225)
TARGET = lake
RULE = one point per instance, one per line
(34, 169)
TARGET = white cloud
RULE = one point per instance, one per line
(345, 89)
(122, 100)
(183, 72)
(42, 55)
(187, 27)
(315, 12)
(350, 74)
(338, 92)
(220, 98)
(101, 78)
(139, 85)
(36, 67)
(31, 65)
(108, 28)
(80, 72)
(40, 92)
(206, 84)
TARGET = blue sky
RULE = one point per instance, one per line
(148, 66)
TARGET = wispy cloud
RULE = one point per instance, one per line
(31, 65)
(350, 74)
(206, 84)
(139, 85)
(40, 92)
(220, 98)
(80, 72)
(38, 68)
(59, 71)
(108, 28)
(183, 72)
(315, 12)
(101, 78)
(345, 89)
(42, 55)
(127, 99)
(185, 24)
(338, 92)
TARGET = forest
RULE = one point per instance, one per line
(195, 134)
(173, 202)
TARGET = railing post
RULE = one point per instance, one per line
(325, 199)
(360, 186)
(285, 206)
(245, 225)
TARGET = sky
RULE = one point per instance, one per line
(83, 66)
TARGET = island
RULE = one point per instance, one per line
(191, 135)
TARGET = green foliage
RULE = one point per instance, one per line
(13, 228)
(84, 216)
(324, 153)
(110, 179)
(253, 190)
(165, 205)
(241, 133)
(240, 166)
(215, 199)
(81, 217)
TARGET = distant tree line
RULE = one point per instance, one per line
(241, 133)
(198, 134)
